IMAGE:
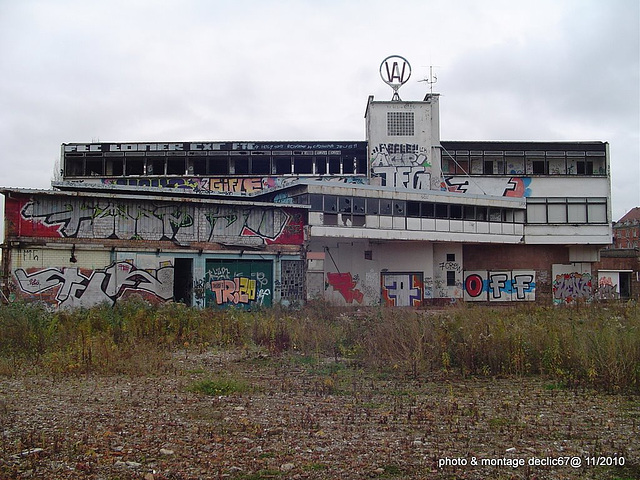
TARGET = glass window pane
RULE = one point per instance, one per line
(373, 206)
(427, 210)
(386, 207)
(536, 213)
(557, 213)
(331, 203)
(597, 213)
(413, 209)
(316, 202)
(358, 205)
(577, 212)
(344, 204)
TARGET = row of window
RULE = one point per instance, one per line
(493, 164)
(333, 204)
(567, 210)
(79, 165)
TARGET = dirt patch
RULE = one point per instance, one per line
(299, 417)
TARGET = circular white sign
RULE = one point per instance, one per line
(395, 71)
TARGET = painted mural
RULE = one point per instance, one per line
(498, 186)
(75, 217)
(571, 287)
(402, 289)
(345, 284)
(239, 283)
(227, 185)
(77, 287)
(401, 165)
(608, 286)
(499, 286)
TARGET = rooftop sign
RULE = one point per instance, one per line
(395, 72)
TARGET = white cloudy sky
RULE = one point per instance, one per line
(180, 70)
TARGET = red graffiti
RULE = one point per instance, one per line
(344, 283)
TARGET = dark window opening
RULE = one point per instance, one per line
(469, 212)
(584, 168)
(134, 166)
(413, 209)
(427, 210)
(219, 165)
(316, 202)
(155, 166)
(321, 165)
(451, 278)
(488, 167)
(451, 257)
(344, 204)
(283, 165)
(441, 210)
(74, 167)
(241, 165)
(261, 165)
(539, 167)
(183, 280)
(331, 203)
(115, 167)
(399, 208)
(358, 205)
(199, 166)
(95, 166)
(348, 165)
(386, 207)
(303, 165)
(373, 206)
(455, 211)
(334, 165)
(175, 166)
(361, 166)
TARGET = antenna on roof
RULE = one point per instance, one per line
(431, 79)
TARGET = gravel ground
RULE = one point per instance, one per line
(294, 418)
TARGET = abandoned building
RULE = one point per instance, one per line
(401, 218)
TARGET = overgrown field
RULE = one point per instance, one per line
(172, 393)
(595, 346)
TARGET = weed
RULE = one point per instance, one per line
(219, 387)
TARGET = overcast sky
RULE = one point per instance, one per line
(153, 70)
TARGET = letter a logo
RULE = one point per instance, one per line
(395, 71)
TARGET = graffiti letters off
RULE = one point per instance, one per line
(402, 165)
(77, 218)
(346, 286)
(570, 287)
(501, 286)
(73, 287)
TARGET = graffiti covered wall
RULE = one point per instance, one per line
(402, 289)
(241, 283)
(571, 283)
(498, 186)
(96, 218)
(499, 286)
(228, 185)
(401, 165)
(68, 287)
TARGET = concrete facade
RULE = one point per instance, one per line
(400, 219)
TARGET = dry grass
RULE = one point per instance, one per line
(596, 346)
